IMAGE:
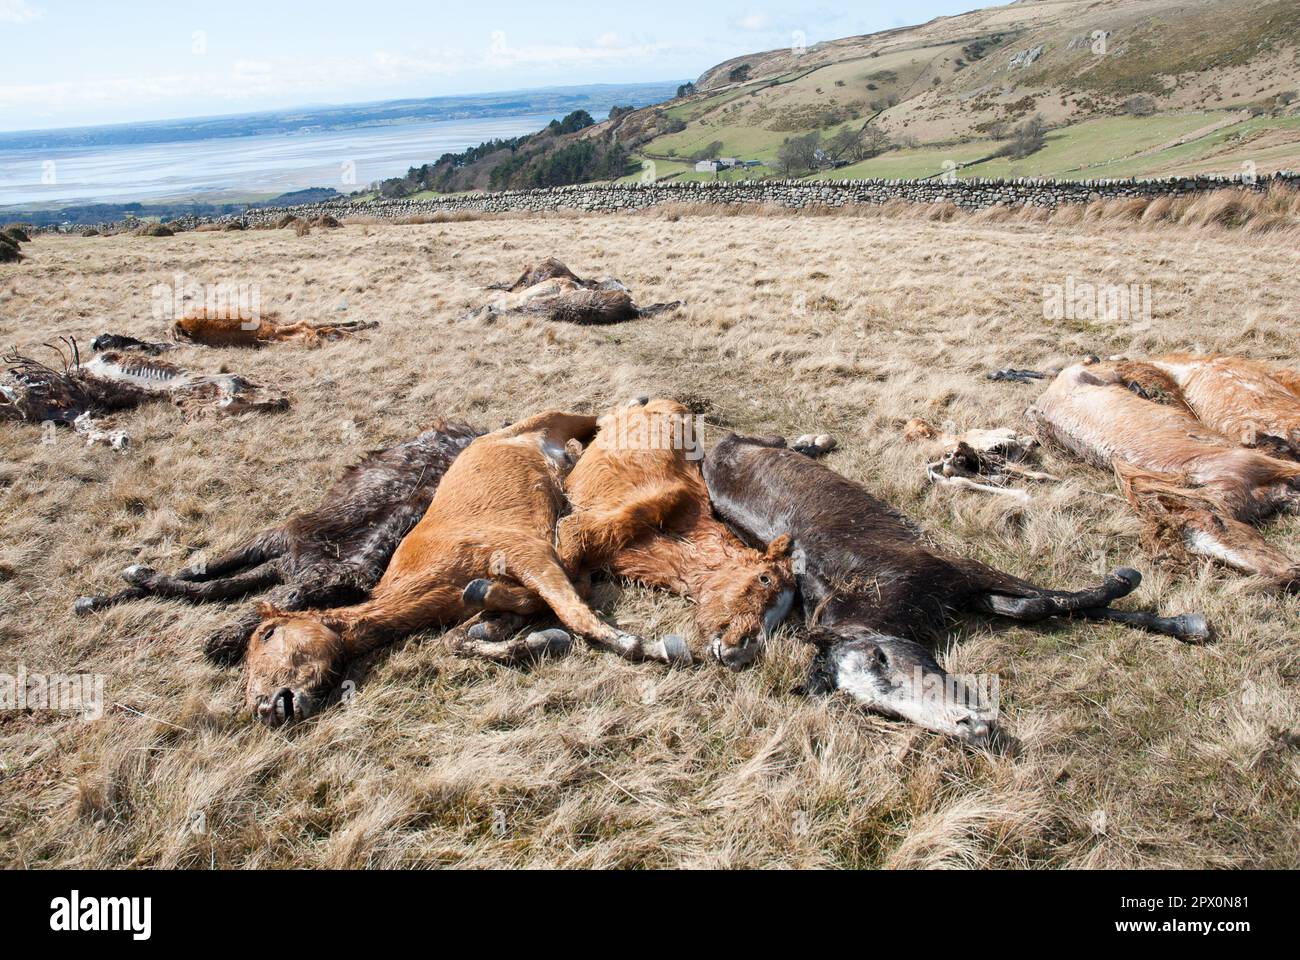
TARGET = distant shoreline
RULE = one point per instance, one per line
(220, 169)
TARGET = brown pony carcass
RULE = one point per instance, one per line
(228, 329)
(641, 511)
(332, 554)
(493, 516)
(551, 290)
(1197, 490)
(534, 273)
(1253, 402)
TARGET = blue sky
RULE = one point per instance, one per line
(74, 62)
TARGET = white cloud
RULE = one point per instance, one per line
(754, 22)
(17, 11)
(287, 79)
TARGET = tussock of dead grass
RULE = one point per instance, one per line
(1130, 750)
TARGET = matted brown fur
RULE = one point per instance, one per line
(641, 510)
(227, 329)
(1197, 490)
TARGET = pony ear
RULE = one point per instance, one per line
(269, 611)
(779, 547)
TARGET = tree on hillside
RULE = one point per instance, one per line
(873, 142)
(685, 90)
(1029, 137)
(799, 154)
(856, 145)
(1140, 105)
(844, 144)
(578, 120)
(616, 113)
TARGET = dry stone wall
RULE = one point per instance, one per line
(797, 194)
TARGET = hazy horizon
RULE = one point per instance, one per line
(74, 63)
(334, 105)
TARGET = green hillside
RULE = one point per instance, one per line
(1121, 88)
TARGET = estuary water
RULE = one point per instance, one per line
(235, 168)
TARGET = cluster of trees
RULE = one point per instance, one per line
(1029, 137)
(529, 163)
(685, 90)
(92, 213)
(799, 155)
(441, 175)
(578, 120)
(575, 163)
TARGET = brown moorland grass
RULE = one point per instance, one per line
(1133, 750)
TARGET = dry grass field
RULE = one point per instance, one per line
(1128, 750)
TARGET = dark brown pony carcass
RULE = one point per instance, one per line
(332, 554)
(876, 596)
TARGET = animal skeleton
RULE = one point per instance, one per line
(995, 456)
(80, 395)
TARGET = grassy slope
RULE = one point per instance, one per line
(942, 90)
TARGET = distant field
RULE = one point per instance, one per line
(1105, 148)
(1130, 750)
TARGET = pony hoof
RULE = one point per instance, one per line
(84, 605)
(552, 642)
(675, 650)
(138, 574)
(1194, 628)
(813, 445)
(1130, 577)
(475, 593)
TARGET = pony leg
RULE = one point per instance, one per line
(1039, 604)
(496, 638)
(544, 575)
(258, 550)
(589, 538)
(261, 548)
(500, 597)
(204, 591)
(93, 604)
(1187, 627)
